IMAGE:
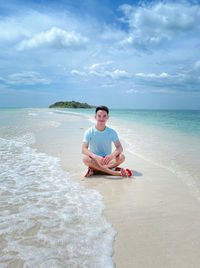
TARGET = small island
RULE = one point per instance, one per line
(71, 104)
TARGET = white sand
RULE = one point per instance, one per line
(156, 215)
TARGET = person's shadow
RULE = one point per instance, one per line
(107, 176)
(136, 173)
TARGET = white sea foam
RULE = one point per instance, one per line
(28, 138)
(73, 115)
(47, 220)
(32, 114)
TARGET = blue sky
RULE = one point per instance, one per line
(124, 54)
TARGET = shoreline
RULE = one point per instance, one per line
(155, 214)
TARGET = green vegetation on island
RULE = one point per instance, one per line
(71, 104)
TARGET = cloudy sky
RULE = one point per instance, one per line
(124, 54)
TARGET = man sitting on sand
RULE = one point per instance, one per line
(97, 147)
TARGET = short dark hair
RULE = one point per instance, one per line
(103, 108)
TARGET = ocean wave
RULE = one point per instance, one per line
(47, 220)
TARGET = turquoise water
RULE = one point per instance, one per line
(12, 116)
(187, 121)
(167, 138)
(39, 203)
(180, 120)
(47, 220)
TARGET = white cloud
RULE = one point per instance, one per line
(99, 66)
(107, 85)
(145, 75)
(152, 75)
(54, 38)
(78, 73)
(132, 91)
(26, 24)
(99, 70)
(117, 74)
(26, 78)
(154, 22)
(164, 75)
(147, 25)
(186, 79)
(168, 91)
(102, 70)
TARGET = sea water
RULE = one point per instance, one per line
(46, 219)
(169, 139)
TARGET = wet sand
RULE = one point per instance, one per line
(156, 215)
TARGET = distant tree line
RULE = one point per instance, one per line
(71, 104)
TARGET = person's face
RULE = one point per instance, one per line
(101, 117)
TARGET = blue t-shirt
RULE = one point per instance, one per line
(100, 142)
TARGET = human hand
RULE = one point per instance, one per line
(105, 160)
(98, 159)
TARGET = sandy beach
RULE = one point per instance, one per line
(61, 61)
(155, 214)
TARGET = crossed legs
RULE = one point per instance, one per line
(92, 163)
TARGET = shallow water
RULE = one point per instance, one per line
(47, 220)
(168, 139)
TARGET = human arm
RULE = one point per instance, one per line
(87, 152)
(118, 150)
